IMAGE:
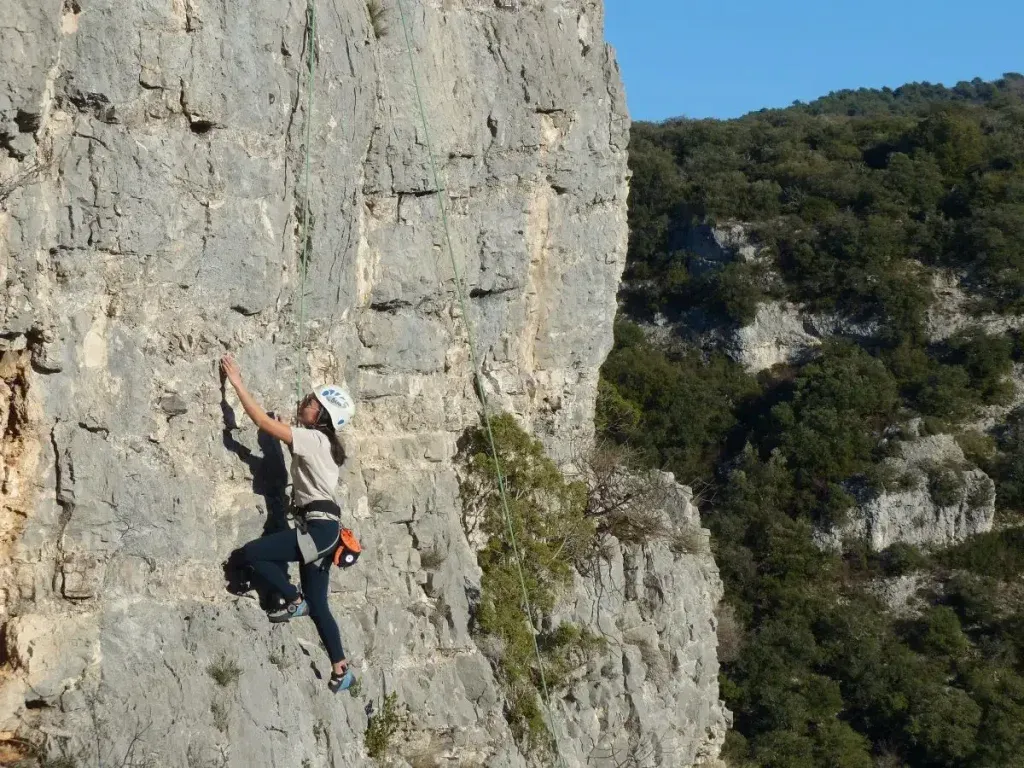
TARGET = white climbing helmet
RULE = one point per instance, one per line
(338, 402)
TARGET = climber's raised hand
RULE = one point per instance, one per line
(231, 371)
(271, 426)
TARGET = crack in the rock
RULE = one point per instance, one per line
(480, 293)
(70, 97)
(90, 137)
(390, 306)
(65, 500)
(416, 193)
(192, 22)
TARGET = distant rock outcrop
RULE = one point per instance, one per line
(932, 498)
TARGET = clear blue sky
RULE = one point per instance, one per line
(724, 58)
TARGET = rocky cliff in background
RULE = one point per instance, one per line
(151, 160)
(935, 498)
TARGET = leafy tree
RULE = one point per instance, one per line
(953, 137)
(831, 427)
(678, 412)
(922, 172)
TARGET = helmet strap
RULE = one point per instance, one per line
(324, 417)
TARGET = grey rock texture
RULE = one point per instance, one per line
(937, 499)
(713, 247)
(781, 332)
(993, 417)
(785, 332)
(777, 335)
(151, 185)
(652, 606)
(902, 595)
(951, 312)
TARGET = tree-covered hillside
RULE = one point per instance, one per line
(856, 201)
(851, 208)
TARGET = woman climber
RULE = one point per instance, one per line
(316, 456)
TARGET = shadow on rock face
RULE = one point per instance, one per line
(269, 480)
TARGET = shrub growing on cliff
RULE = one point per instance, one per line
(829, 428)
(382, 726)
(552, 533)
(624, 499)
(998, 554)
(945, 484)
(224, 671)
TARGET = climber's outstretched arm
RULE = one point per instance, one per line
(272, 427)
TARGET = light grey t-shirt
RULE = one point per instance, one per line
(314, 473)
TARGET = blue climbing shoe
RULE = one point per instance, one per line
(290, 611)
(342, 683)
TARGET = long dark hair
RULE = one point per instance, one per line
(323, 424)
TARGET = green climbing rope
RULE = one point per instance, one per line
(304, 258)
(478, 377)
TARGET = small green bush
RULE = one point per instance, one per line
(932, 425)
(988, 361)
(998, 554)
(220, 716)
(978, 448)
(382, 727)
(431, 559)
(688, 540)
(900, 559)
(945, 485)
(565, 651)
(676, 412)
(981, 495)
(1007, 467)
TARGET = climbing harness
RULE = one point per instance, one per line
(308, 548)
(478, 379)
(344, 551)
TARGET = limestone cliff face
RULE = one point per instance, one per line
(151, 184)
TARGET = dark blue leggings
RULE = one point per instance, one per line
(269, 557)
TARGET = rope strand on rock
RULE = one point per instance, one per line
(304, 258)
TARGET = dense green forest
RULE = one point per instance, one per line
(854, 209)
(855, 201)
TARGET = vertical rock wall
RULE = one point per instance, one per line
(151, 189)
